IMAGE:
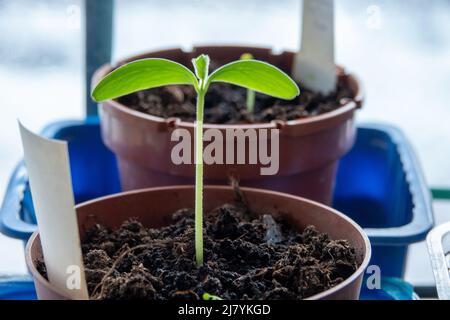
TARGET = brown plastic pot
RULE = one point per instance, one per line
(154, 207)
(309, 148)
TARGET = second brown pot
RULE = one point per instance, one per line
(309, 148)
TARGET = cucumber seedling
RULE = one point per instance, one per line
(251, 94)
(144, 74)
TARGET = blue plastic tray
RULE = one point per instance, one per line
(379, 184)
(17, 288)
(391, 289)
(22, 288)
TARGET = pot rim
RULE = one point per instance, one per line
(347, 105)
(364, 264)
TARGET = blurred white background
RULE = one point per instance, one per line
(399, 48)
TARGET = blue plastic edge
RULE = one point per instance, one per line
(17, 288)
(422, 216)
(11, 224)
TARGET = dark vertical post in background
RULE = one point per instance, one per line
(98, 33)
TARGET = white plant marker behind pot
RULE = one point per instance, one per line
(314, 65)
(48, 168)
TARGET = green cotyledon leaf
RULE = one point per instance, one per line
(140, 75)
(258, 76)
(206, 296)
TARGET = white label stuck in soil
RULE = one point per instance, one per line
(48, 168)
(314, 66)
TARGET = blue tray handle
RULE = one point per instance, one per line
(11, 223)
(422, 213)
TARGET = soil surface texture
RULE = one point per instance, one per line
(246, 257)
(226, 104)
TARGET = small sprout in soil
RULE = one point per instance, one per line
(151, 73)
(251, 95)
(209, 297)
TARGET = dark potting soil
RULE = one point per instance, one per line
(245, 258)
(226, 104)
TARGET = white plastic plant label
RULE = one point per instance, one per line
(314, 65)
(48, 168)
